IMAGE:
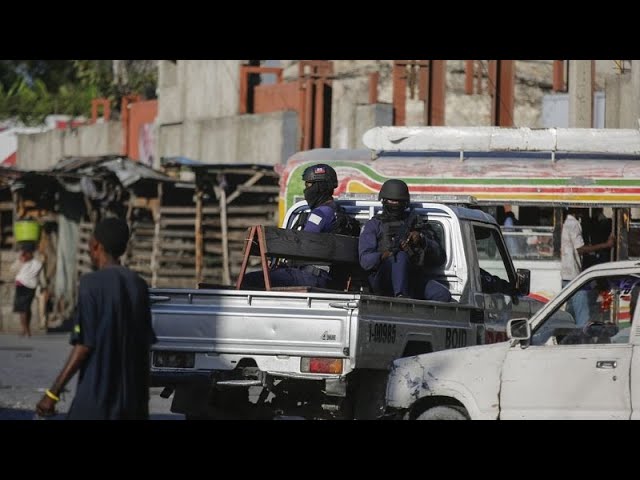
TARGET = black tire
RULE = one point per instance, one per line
(443, 412)
(369, 396)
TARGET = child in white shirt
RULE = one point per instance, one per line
(28, 268)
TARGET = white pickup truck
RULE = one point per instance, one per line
(326, 354)
(550, 368)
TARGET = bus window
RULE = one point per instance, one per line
(531, 238)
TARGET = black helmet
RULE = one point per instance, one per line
(394, 190)
(321, 173)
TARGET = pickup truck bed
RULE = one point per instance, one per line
(225, 325)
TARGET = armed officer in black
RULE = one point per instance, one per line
(394, 248)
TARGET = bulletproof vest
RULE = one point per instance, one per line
(299, 225)
(389, 230)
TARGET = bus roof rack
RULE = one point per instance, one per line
(418, 197)
(614, 141)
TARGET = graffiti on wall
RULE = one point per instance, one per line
(146, 143)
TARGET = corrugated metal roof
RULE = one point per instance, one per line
(128, 171)
(70, 170)
(188, 162)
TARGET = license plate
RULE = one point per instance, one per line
(174, 359)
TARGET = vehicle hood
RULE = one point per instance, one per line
(469, 375)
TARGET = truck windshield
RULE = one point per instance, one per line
(490, 255)
(599, 311)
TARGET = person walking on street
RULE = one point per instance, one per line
(112, 337)
(28, 270)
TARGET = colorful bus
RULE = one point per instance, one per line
(537, 172)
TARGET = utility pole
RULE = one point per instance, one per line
(580, 94)
(635, 92)
(502, 90)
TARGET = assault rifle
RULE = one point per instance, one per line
(412, 222)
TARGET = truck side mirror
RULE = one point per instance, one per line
(519, 329)
(523, 281)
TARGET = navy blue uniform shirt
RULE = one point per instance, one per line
(321, 219)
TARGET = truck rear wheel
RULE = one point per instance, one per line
(370, 388)
(443, 412)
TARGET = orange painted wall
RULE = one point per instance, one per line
(140, 113)
(277, 97)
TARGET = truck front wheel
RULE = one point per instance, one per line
(444, 412)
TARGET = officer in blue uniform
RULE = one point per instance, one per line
(398, 272)
(320, 182)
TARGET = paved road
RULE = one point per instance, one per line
(29, 365)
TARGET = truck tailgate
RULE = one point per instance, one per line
(249, 322)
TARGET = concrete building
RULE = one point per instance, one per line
(198, 117)
(40, 151)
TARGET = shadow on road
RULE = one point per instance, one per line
(23, 414)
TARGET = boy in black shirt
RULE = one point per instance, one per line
(112, 337)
